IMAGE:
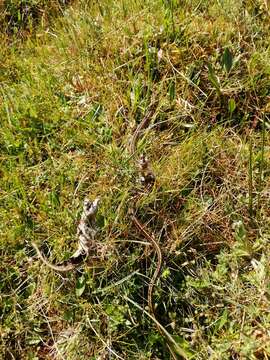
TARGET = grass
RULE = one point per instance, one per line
(74, 85)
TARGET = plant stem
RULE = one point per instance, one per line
(250, 179)
(261, 169)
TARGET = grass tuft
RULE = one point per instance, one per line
(77, 77)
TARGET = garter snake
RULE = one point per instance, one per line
(142, 229)
(171, 344)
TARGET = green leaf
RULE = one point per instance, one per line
(33, 113)
(172, 91)
(213, 78)
(68, 315)
(184, 344)
(227, 59)
(231, 105)
(166, 273)
(222, 320)
(54, 198)
(80, 286)
(33, 340)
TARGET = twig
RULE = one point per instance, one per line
(104, 342)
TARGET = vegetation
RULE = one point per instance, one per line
(73, 89)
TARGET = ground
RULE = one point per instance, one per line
(77, 77)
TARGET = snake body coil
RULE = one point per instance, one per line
(86, 232)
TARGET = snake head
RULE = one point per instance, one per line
(90, 207)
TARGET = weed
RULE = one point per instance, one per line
(76, 80)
